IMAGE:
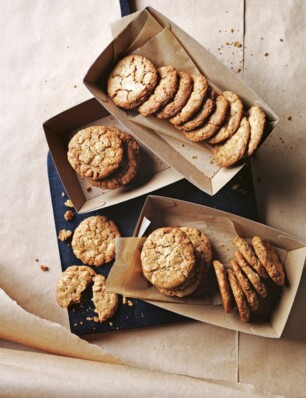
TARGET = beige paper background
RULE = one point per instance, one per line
(46, 49)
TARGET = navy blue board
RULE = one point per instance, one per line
(236, 197)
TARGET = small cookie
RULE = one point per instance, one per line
(168, 258)
(96, 151)
(200, 87)
(269, 259)
(132, 81)
(245, 285)
(105, 301)
(252, 276)
(181, 97)
(257, 120)
(73, 281)
(234, 119)
(242, 305)
(128, 168)
(232, 150)
(245, 249)
(93, 240)
(213, 123)
(223, 286)
(163, 93)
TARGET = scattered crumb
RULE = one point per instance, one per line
(183, 145)
(68, 203)
(63, 194)
(289, 118)
(232, 30)
(237, 44)
(75, 324)
(81, 323)
(88, 189)
(194, 157)
(238, 70)
(130, 303)
(89, 318)
(37, 260)
(266, 54)
(124, 300)
(281, 40)
(44, 268)
(69, 215)
(75, 86)
(235, 187)
(110, 323)
(64, 234)
(261, 38)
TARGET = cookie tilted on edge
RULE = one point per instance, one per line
(242, 305)
(257, 120)
(224, 288)
(245, 285)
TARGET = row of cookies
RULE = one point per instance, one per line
(104, 155)
(243, 279)
(190, 104)
(176, 260)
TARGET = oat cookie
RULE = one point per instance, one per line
(128, 168)
(168, 258)
(131, 81)
(163, 93)
(252, 276)
(269, 259)
(233, 149)
(257, 120)
(105, 301)
(181, 97)
(213, 123)
(93, 240)
(246, 287)
(200, 87)
(242, 305)
(73, 281)
(223, 286)
(245, 249)
(96, 151)
(201, 244)
(234, 118)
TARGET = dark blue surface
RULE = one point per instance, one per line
(236, 197)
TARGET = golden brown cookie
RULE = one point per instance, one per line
(93, 240)
(181, 97)
(252, 276)
(132, 81)
(221, 275)
(233, 121)
(168, 258)
(269, 259)
(213, 124)
(201, 244)
(200, 87)
(96, 151)
(246, 287)
(257, 120)
(105, 301)
(128, 168)
(72, 283)
(242, 305)
(163, 93)
(233, 149)
(245, 249)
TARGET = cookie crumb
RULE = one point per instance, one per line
(37, 260)
(69, 203)
(64, 234)
(237, 44)
(44, 268)
(124, 300)
(69, 215)
(194, 157)
(75, 86)
(89, 318)
(235, 187)
(266, 54)
(281, 40)
(130, 303)
(88, 189)
(289, 118)
(238, 70)
(63, 194)
(232, 30)
(110, 323)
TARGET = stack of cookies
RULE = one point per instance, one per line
(176, 260)
(190, 104)
(104, 155)
(243, 280)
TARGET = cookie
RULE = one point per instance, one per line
(73, 281)
(200, 87)
(246, 287)
(128, 168)
(168, 258)
(269, 259)
(163, 93)
(93, 240)
(252, 276)
(223, 286)
(234, 118)
(233, 149)
(245, 249)
(198, 120)
(181, 97)
(96, 151)
(213, 123)
(257, 120)
(242, 305)
(105, 301)
(132, 81)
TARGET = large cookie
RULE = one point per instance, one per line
(93, 240)
(246, 287)
(96, 151)
(242, 305)
(257, 120)
(163, 93)
(222, 280)
(168, 258)
(131, 81)
(105, 301)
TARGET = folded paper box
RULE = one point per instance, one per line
(126, 275)
(151, 34)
